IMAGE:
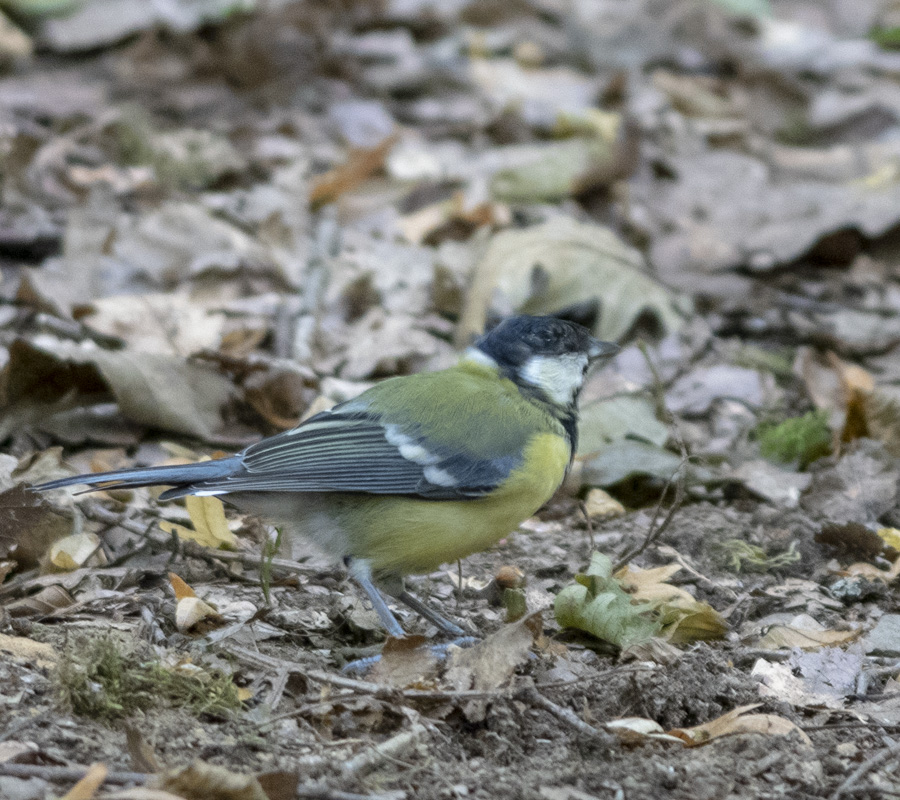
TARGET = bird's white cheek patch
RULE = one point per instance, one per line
(561, 377)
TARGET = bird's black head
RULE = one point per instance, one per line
(546, 353)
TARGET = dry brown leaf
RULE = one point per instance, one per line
(29, 525)
(561, 263)
(193, 615)
(856, 386)
(167, 392)
(788, 636)
(601, 505)
(882, 416)
(650, 584)
(280, 785)
(201, 781)
(75, 551)
(405, 663)
(86, 788)
(180, 588)
(46, 601)
(491, 663)
(171, 324)
(863, 570)
(684, 618)
(27, 651)
(208, 516)
(361, 164)
(738, 721)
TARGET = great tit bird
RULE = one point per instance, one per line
(417, 471)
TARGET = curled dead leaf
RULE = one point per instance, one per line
(193, 615)
(738, 721)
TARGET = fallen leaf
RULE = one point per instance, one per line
(600, 505)
(30, 524)
(873, 573)
(489, 664)
(202, 780)
(694, 393)
(861, 487)
(15, 752)
(47, 375)
(142, 793)
(208, 516)
(627, 458)
(830, 670)
(193, 615)
(562, 263)
(86, 788)
(780, 637)
(280, 785)
(683, 618)
(27, 651)
(74, 552)
(738, 721)
(890, 536)
(725, 210)
(597, 604)
(170, 324)
(618, 418)
(140, 751)
(406, 662)
(181, 589)
(45, 602)
(361, 164)
(636, 730)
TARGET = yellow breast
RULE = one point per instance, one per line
(407, 535)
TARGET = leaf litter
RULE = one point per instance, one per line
(233, 219)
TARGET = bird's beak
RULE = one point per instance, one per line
(603, 350)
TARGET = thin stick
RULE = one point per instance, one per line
(567, 716)
(67, 774)
(678, 477)
(97, 513)
(395, 747)
(870, 765)
(655, 531)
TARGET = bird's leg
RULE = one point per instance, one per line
(442, 623)
(362, 573)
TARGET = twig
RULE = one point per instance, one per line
(318, 791)
(312, 791)
(677, 478)
(66, 774)
(97, 513)
(588, 522)
(567, 716)
(395, 747)
(655, 531)
(869, 765)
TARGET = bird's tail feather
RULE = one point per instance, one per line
(180, 475)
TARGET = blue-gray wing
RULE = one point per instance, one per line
(355, 451)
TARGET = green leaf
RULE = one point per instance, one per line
(598, 605)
